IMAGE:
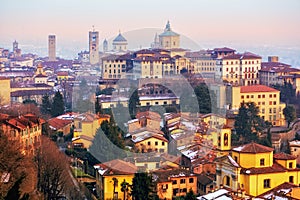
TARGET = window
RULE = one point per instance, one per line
(270, 95)
(274, 95)
(242, 96)
(262, 162)
(259, 96)
(290, 165)
(149, 143)
(252, 96)
(267, 183)
(156, 143)
(174, 182)
(247, 96)
(191, 180)
(148, 104)
(163, 143)
(183, 190)
(270, 110)
(182, 181)
(270, 103)
(227, 181)
(263, 96)
(291, 179)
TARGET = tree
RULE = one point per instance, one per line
(108, 143)
(97, 106)
(133, 103)
(46, 105)
(141, 186)
(248, 124)
(287, 92)
(58, 106)
(206, 98)
(29, 101)
(16, 170)
(54, 177)
(290, 114)
(125, 189)
(190, 195)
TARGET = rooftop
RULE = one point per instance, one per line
(257, 88)
(284, 156)
(115, 167)
(253, 148)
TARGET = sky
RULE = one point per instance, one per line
(253, 21)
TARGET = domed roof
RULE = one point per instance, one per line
(168, 31)
(120, 38)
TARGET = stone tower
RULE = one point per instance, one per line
(94, 47)
(52, 48)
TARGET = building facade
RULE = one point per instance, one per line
(266, 98)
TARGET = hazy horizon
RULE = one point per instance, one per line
(239, 24)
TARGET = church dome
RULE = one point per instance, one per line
(168, 31)
(120, 38)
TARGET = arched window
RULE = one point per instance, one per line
(226, 139)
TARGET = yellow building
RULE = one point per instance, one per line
(5, 91)
(114, 67)
(150, 142)
(109, 177)
(266, 98)
(149, 67)
(26, 129)
(254, 169)
(239, 69)
(213, 120)
(222, 138)
(174, 183)
(85, 127)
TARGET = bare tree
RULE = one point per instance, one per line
(17, 174)
(54, 179)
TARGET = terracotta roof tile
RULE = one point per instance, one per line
(275, 168)
(284, 156)
(253, 148)
(257, 88)
(117, 167)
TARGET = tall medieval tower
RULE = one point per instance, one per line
(94, 47)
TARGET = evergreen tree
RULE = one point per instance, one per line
(97, 106)
(133, 103)
(46, 105)
(290, 114)
(58, 106)
(248, 123)
(141, 186)
(206, 98)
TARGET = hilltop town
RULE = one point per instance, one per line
(162, 122)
